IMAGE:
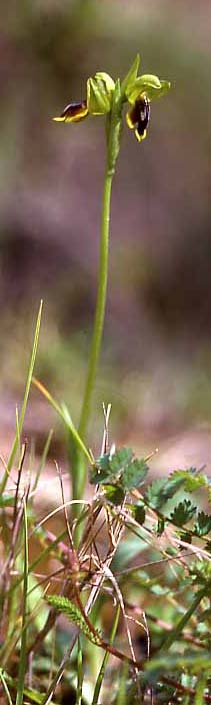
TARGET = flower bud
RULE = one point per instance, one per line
(99, 93)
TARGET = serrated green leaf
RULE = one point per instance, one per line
(134, 474)
(203, 524)
(109, 467)
(191, 479)
(183, 512)
(120, 459)
(103, 462)
(100, 477)
(159, 492)
(65, 606)
(155, 493)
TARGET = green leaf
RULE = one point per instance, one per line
(202, 571)
(120, 468)
(203, 524)
(134, 474)
(160, 491)
(62, 604)
(120, 459)
(115, 495)
(191, 479)
(140, 512)
(183, 512)
(167, 663)
(131, 76)
(110, 466)
(155, 493)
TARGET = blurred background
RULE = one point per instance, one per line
(156, 362)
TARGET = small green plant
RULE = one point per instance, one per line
(138, 549)
(105, 97)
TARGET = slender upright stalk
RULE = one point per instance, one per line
(100, 304)
(113, 130)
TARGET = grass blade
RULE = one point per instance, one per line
(79, 674)
(63, 412)
(25, 400)
(23, 650)
(5, 686)
(101, 673)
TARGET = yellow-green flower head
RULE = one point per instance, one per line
(98, 100)
(99, 93)
(103, 94)
(139, 91)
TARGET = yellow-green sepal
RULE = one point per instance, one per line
(130, 78)
(99, 93)
(149, 84)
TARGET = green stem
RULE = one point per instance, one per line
(113, 131)
(100, 305)
(78, 461)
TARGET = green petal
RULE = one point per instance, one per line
(109, 83)
(151, 85)
(130, 78)
(99, 93)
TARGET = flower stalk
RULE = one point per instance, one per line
(106, 97)
(113, 135)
